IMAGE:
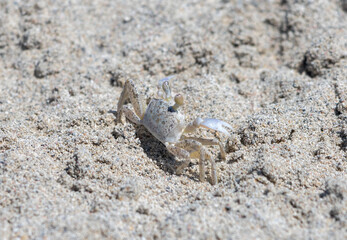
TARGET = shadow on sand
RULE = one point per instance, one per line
(156, 150)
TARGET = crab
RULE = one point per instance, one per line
(165, 122)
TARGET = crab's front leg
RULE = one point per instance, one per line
(180, 153)
(209, 142)
(130, 92)
(188, 149)
(209, 123)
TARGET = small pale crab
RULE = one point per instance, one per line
(164, 121)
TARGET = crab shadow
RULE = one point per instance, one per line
(157, 151)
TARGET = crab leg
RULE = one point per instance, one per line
(190, 148)
(131, 115)
(209, 123)
(197, 150)
(210, 142)
(130, 91)
(180, 153)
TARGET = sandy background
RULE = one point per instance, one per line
(274, 69)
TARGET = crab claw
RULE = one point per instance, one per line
(216, 125)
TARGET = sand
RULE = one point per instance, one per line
(275, 70)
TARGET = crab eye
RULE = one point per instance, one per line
(179, 100)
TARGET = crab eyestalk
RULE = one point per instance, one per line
(167, 91)
(179, 100)
(164, 91)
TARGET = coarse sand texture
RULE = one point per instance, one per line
(275, 70)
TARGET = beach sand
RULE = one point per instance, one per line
(275, 70)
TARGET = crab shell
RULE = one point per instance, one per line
(165, 125)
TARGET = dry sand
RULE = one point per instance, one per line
(274, 69)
